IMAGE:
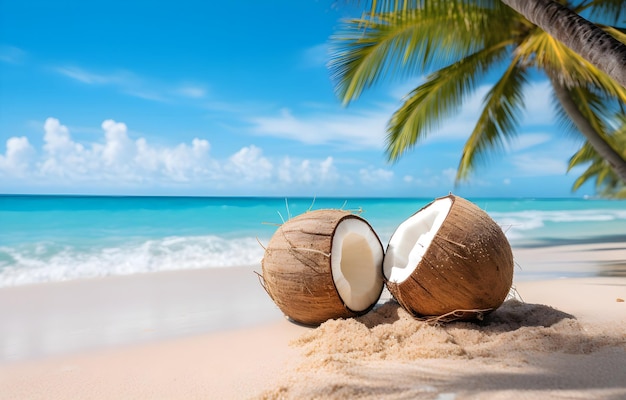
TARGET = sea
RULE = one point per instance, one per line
(60, 238)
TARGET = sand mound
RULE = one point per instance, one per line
(387, 353)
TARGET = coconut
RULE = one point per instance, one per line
(449, 260)
(322, 265)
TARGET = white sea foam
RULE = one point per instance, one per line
(529, 223)
(531, 219)
(48, 262)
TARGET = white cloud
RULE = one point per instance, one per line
(327, 169)
(250, 164)
(146, 94)
(194, 92)
(526, 141)
(539, 165)
(375, 175)
(118, 147)
(19, 153)
(316, 56)
(365, 128)
(307, 172)
(353, 130)
(429, 179)
(322, 172)
(62, 157)
(91, 78)
(116, 159)
(181, 163)
(12, 54)
(129, 83)
(449, 174)
(57, 138)
(549, 159)
(538, 101)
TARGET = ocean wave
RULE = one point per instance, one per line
(49, 262)
(532, 219)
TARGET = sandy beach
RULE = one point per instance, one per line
(215, 333)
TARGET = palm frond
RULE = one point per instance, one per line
(498, 120)
(588, 174)
(562, 119)
(437, 98)
(415, 42)
(617, 33)
(606, 180)
(361, 56)
(593, 105)
(546, 53)
(584, 155)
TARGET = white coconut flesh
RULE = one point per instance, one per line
(356, 260)
(411, 240)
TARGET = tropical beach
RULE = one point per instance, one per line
(313, 200)
(213, 332)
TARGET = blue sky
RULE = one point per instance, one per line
(227, 98)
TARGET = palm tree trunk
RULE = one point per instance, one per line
(589, 41)
(617, 163)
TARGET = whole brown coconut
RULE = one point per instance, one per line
(449, 260)
(322, 265)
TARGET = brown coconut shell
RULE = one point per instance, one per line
(297, 272)
(466, 272)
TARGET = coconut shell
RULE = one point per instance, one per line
(466, 271)
(297, 270)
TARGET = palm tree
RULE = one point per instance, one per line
(459, 43)
(580, 35)
(607, 183)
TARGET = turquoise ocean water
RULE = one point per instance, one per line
(55, 238)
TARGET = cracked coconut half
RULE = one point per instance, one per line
(322, 265)
(449, 260)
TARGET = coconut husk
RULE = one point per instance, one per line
(466, 272)
(297, 270)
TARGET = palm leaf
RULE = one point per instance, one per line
(464, 39)
(362, 56)
(414, 42)
(498, 119)
(546, 53)
(605, 178)
(594, 106)
(617, 33)
(584, 155)
(437, 98)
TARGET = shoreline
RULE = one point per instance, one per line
(215, 333)
(55, 318)
(46, 319)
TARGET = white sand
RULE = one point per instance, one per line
(215, 334)
(523, 350)
(226, 365)
(581, 260)
(58, 318)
